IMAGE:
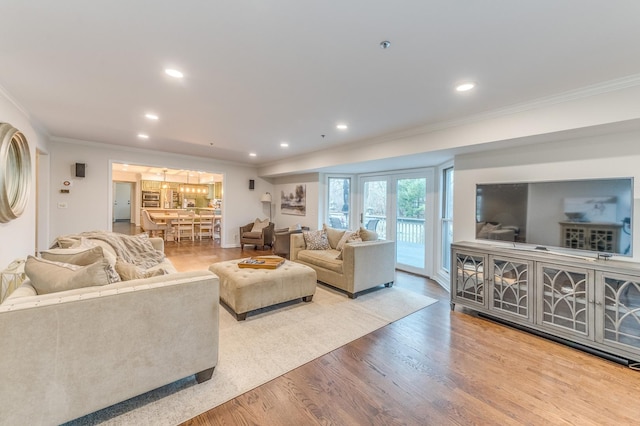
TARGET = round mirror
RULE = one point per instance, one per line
(15, 172)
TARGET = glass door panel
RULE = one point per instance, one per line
(374, 216)
(339, 200)
(410, 223)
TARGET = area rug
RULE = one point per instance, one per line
(268, 344)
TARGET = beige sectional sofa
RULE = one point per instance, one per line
(353, 267)
(73, 352)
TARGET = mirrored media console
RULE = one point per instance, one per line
(589, 302)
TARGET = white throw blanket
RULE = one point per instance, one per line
(134, 249)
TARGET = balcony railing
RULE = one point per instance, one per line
(409, 230)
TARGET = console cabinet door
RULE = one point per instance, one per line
(565, 299)
(618, 310)
(469, 282)
(510, 287)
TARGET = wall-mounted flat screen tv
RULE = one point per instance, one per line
(592, 214)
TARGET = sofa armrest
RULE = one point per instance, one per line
(369, 263)
(297, 244)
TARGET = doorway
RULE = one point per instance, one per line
(399, 207)
(122, 201)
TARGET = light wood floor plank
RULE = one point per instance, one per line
(434, 367)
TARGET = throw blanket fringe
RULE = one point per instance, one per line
(134, 249)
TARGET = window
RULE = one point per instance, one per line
(447, 217)
(338, 202)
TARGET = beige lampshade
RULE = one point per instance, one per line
(266, 198)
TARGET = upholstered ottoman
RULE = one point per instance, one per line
(244, 289)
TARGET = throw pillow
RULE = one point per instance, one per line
(107, 250)
(316, 240)
(258, 225)
(76, 256)
(368, 235)
(355, 238)
(129, 271)
(333, 235)
(83, 253)
(348, 236)
(50, 277)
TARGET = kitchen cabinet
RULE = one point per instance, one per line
(594, 303)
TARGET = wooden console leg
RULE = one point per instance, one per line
(308, 298)
(205, 375)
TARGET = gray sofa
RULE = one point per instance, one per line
(358, 266)
(73, 352)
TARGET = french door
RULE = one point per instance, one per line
(399, 207)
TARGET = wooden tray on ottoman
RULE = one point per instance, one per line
(261, 262)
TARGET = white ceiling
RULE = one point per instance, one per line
(258, 72)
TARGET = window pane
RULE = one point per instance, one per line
(410, 232)
(375, 207)
(447, 217)
(339, 196)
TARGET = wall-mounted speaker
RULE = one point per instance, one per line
(252, 184)
(80, 169)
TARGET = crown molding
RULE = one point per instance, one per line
(571, 95)
(35, 123)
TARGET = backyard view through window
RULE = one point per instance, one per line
(339, 195)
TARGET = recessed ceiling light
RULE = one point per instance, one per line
(342, 127)
(385, 44)
(173, 73)
(284, 145)
(151, 116)
(465, 86)
(252, 154)
(143, 136)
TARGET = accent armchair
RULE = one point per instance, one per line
(262, 237)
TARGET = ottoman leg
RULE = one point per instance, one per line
(241, 317)
(308, 298)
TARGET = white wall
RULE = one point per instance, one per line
(310, 219)
(603, 156)
(19, 235)
(89, 203)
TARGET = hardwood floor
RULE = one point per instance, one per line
(434, 367)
